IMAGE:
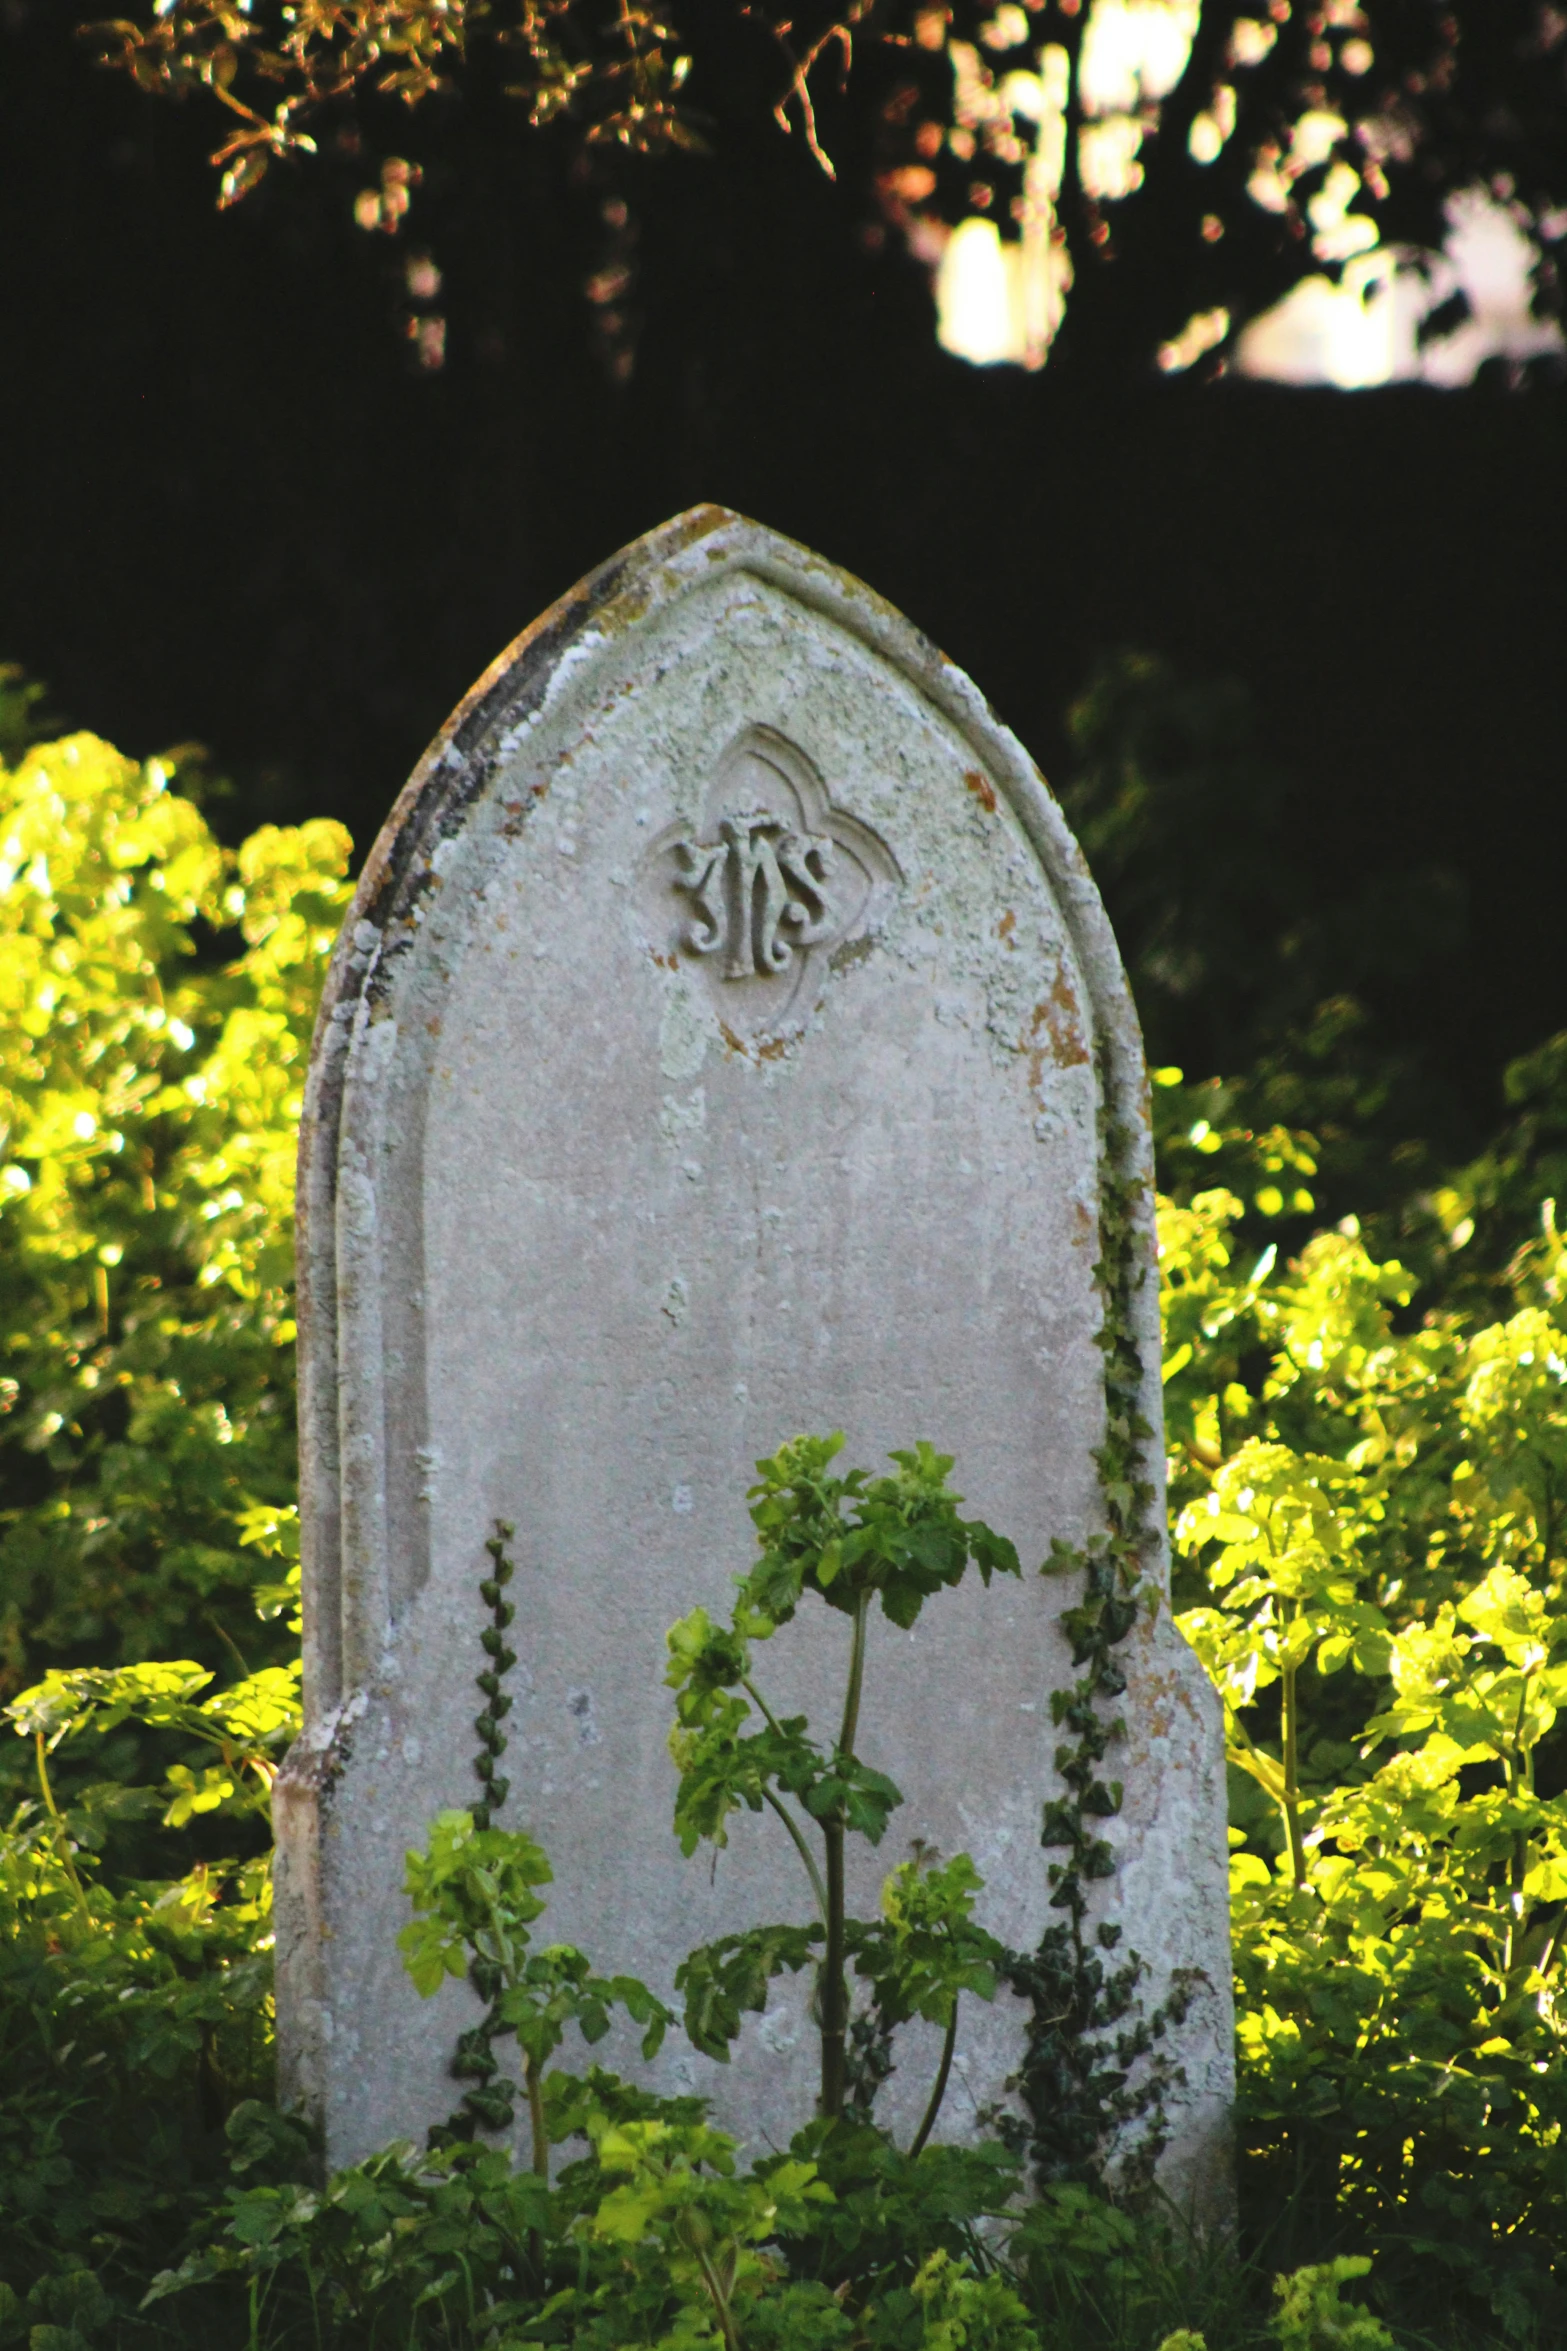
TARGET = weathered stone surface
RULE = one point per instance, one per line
(713, 1052)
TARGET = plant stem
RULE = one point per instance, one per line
(720, 2302)
(835, 1992)
(541, 2144)
(942, 2071)
(62, 1841)
(1292, 1827)
(1518, 1772)
(787, 1817)
(541, 2155)
(1245, 1752)
(803, 1849)
(762, 1707)
(851, 1702)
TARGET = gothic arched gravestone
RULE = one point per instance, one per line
(716, 1050)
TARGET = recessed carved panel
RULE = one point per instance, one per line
(772, 881)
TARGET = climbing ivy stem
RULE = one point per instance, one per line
(1075, 2081)
(476, 2056)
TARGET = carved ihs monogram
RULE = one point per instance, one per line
(761, 893)
(763, 888)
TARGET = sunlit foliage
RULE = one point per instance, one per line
(156, 998)
(1371, 1529)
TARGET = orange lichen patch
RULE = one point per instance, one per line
(1055, 1034)
(514, 812)
(1006, 926)
(768, 1049)
(982, 788)
(1161, 1703)
(665, 962)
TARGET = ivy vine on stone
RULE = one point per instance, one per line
(1087, 2035)
(487, 2103)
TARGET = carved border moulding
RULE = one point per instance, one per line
(775, 881)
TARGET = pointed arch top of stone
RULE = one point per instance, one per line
(608, 605)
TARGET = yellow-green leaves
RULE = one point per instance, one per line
(1210, 1308)
(250, 1724)
(929, 1950)
(474, 1895)
(1276, 1545)
(965, 2310)
(1328, 1315)
(679, 2199)
(64, 1703)
(1511, 1490)
(102, 871)
(473, 1891)
(157, 994)
(1362, 1485)
(1311, 2316)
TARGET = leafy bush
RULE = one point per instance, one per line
(1370, 1520)
(134, 2013)
(156, 999)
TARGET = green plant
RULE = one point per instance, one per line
(852, 1541)
(656, 2236)
(656, 2228)
(134, 2008)
(473, 1893)
(1370, 1530)
(1313, 2318)
(157, 993)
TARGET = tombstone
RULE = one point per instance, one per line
(715, 1051)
